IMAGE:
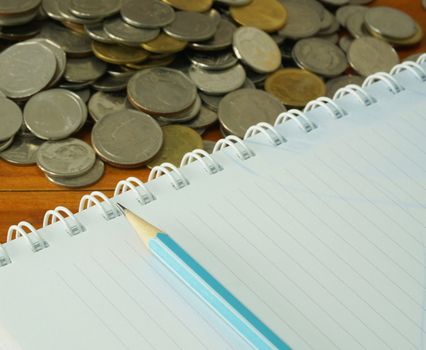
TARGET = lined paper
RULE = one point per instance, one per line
(326, 246)
(323, 238)
(103, 290)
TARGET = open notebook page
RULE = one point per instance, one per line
(323, 237)
(102, 290)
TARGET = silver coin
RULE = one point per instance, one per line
(74, 44)
(345, 42)
(68, 158)
(335, 2)
(205, 118)
(214, 15)
(127, 138)
(333, 28)
(126, 34)
(111, 83)
(51, 8)
(223, 131)
(10, 119)
(221, 40)
(303, 20)
(17, 7)
(208, 146)
(355, 25)
(96, 32)
(119, 72)
(336, 83)
(87, 179)
(161, 91)
(84, 94)
(369, 55)
(256, 49)
(61, 58)
(94, 8)
(185, 116)
(327, 20)
(343, 13)
(147, 13)
(218, 82)
(54, 114)
(320, 56)
(102, 104)
(23, 150)
(213, 60)
(74, 86)
(212, 101)
(246, 107)
(319, 7)
(80, 70)
(191, 26)
(4, 145)
(390, 22)
(22, 77)
(64, 7)
(333, 38)
(9, 21)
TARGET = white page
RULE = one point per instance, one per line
(102, 290)
(294, 238)
(326, 249)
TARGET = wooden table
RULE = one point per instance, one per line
(25, 193)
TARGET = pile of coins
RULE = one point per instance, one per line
(154, 75)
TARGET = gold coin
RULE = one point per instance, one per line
(191, 5)
(415, 39)
(79, 28)
(295, 87)
(268, 15)
(117, 54)
(164, 44)
(178, 140)
(151, 63)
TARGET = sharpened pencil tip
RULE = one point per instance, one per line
(123, 208)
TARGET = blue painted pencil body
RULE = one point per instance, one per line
(214, 294)
(210, 290)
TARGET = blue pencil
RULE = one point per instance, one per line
(210, 290)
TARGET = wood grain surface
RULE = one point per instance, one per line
(25, 193)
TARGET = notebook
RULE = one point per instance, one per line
(317, 225)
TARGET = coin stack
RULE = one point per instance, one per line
(154, 75)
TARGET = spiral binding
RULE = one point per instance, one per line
(356, 91)
(268, 130)
(136, 185)
(413, 67)
(206, 160)
(176, 177)
(236, 145)
(109, 212)
(332, 107)
(19, 230)
(298, 117)
(386, 78)
(56, 214)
